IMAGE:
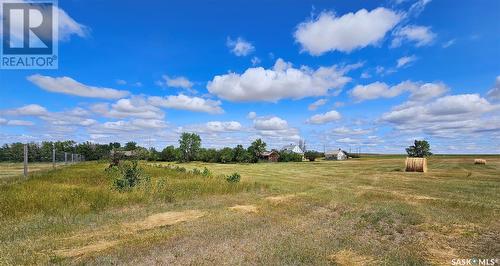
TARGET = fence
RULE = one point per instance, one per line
(58, 157)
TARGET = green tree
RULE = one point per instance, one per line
(226, 155)
(312, 155)
(240, 154)
(169, 154)
(130, 146)
(256, 149)
(421, 148)
(189, 145)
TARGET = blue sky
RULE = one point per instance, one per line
(372, 75)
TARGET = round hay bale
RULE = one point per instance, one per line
(479, 161)
(416, 165)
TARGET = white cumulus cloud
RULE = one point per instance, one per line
(405, 61)
(176, 82)
(184, 102)
(315, 105)
(240, 47)
(70, 86)
(494, 93)
(420, 35)
(346, 33)
(418, 91)
(282, 81)
(324, 118)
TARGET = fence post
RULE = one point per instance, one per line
(54, 157)
(72, 158)
(65, 158)
(25, 160)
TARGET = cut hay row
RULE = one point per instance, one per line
(479, 161)
(416, 165)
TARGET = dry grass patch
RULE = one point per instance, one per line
(80, 251)
(245, 208)
(280, 199)
(350, 258)
(165, 219)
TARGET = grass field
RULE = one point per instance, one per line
(16, 169)
(364, 211)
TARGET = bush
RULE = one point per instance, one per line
(290, 157)
(312, 155)
(233, 178)
(206, 172)
(127, 175)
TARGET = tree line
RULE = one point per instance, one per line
(189, 149)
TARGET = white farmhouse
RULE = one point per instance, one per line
(292, 148)
(338, 155)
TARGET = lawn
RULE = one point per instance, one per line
(363, 211)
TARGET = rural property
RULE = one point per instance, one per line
(262, 132)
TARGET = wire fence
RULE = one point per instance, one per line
(58, 158)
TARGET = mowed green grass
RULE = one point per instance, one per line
(365, 211)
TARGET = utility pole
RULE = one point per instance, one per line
(53, 156)
(25, 160)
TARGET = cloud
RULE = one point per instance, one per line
(418, 7)
(446, 116)
(348, 131)
(405, 61)
(418, 90)
(137, 107)
(494, 93)
(123, 126)
(251, 115)
(19, 123)
(183, 102)
(176, 82)
(240, 47)
(449, 43)
(28, 110)
(428, 91)
(70, 86)
(324, 118)
(420, 35)
(212, 127)
(346, 33)
(282, 81)
(67, 27)
(365, 75)
(255, 61)
(270, 123)
(315, 105)
(375, 90)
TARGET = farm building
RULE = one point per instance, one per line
(338, 155)
(271, 156)
(292, 148)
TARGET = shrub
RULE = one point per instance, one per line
(233, 178)
(127, 175)
(312, 155)
(206, 172)
(290, 157)
(196, 171)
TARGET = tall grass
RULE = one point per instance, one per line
(86, 188)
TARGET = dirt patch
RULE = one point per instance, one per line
(153, 221)
(96, 247)
(165, 219)
(280, 199)
(244, 208)
(347, 257)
